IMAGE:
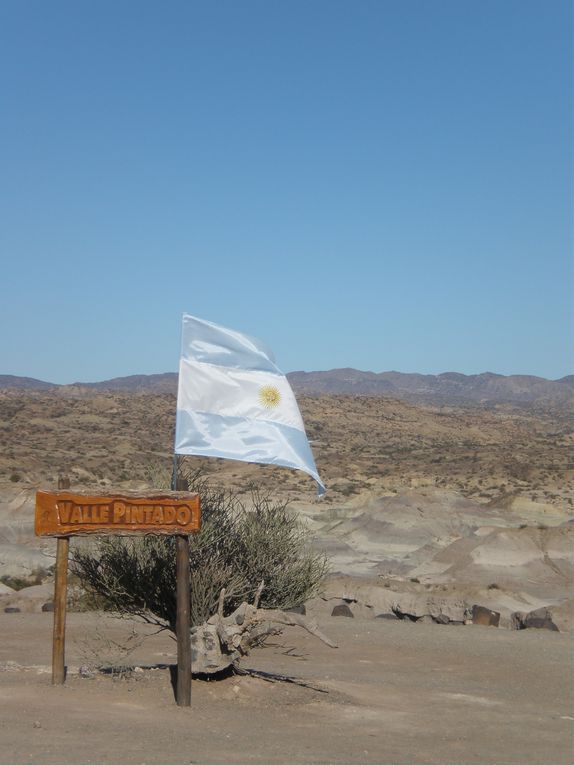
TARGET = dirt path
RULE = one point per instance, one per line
(396, 693)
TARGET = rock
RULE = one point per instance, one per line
(47, 607)
(37, 592)
(562, 615)
(405, 615)
(540, 619)
(391, 617)
(413, 606)
(17, 560)
(12, 610)
(342, 610)
(485, 617)
(86, 672)
(298, 610)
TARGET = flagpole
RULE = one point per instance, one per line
(174, 471)
(183, 598)
(175, 464)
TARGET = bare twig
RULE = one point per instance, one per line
(258, 594)
(220, 604)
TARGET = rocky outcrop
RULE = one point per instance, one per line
(492, 608)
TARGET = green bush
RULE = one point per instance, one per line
(236, 549)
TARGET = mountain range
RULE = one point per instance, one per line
(449, 387)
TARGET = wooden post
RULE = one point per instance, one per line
(183, 622)
(60, 595)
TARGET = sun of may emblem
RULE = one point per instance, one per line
(269, 396)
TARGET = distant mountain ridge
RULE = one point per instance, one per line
(448, 387)
(442, 388)
(25, 383)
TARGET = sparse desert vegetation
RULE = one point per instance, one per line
(363, 445)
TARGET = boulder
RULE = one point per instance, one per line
(342, 610)
(485, 617)
(540, 618)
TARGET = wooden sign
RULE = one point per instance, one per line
(62, 513)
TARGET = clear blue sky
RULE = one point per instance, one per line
(375, 184)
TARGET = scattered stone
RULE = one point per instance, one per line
(404, 615)
(9, 666)
(47, 607)
(37, 724)
(12, 610)
(86, 672)
(540, 619)
(441, 619)
(342, 610)
(485, 617)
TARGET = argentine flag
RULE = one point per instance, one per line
(234, 403)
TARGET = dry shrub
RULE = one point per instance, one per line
(236, 549)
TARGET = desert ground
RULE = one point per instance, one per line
(392, 692)
(449, 530)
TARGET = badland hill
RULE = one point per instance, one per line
(431, 512)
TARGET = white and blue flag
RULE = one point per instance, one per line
(233, 402)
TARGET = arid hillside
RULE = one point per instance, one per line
(364, 446)
(431, 512)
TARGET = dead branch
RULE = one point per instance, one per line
(223, 640)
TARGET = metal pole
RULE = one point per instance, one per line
(183, 623)
(60, 594)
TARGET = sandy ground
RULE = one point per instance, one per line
(399, 693)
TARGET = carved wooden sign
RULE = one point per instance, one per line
(62, 513)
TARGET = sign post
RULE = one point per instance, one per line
(62, 514)
(60, 596)
(183, 622)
